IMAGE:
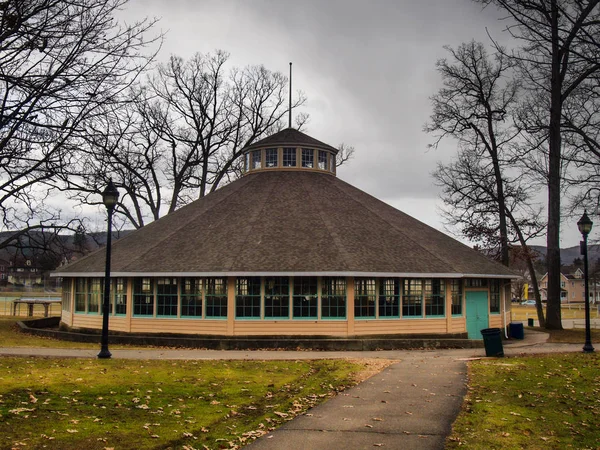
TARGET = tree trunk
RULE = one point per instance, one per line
(553, 312)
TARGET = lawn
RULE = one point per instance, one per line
(10, 336)
(100, 404)
(538, 402)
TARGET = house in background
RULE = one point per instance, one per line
(572, 287)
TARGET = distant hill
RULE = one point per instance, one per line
(567, 255)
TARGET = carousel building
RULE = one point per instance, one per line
(289, 250)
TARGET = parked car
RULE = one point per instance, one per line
(528, 303)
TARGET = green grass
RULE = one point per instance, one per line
(538, 402)
(11, 336)
(571, 336)
(522, 313)
(93, 404)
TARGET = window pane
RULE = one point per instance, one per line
(389, 297)
(412, 298)
(364, 297)
(322, 160)
(277, 297)
(120, 296)
(191, 297)
(271, 157)
(95, 296)
(308, 156)
(247, 299)
(66, 295)
(434, 297)
(216, 298)
(289, 157)
(305, 297)
(143, 297)
(495, 296)
(333, 297)
(80, 294)
(256, 159)
(166, 297)
(457, 297)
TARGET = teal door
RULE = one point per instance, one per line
(477, 313)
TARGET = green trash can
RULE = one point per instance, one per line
(492, 340)
(530, 322)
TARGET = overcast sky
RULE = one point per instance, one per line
(367, 68)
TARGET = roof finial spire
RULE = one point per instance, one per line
(290, 117)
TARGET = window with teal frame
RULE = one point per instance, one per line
(308, 158)
(289, 157)
(66, 295)
(364, 298)
(457, 297)
(305, 298)
(80, 294)
(95, 296)
(412, 298)
(435, 297)
(191, 297)
(166, 297)
(495, 296)
(333, 298)
(271, 159)
(120, 296)
(215, 298)
(389, 297)
(247, 298)
(143, 297)
(277, 298)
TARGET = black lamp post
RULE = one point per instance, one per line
(585, 226)
(109, 198)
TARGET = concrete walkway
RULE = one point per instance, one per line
(409, 405)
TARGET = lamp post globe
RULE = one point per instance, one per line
(110, 196)
(585, 226)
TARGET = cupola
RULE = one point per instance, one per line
(289, 150)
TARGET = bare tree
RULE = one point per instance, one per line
(472, 107)
(559, 53)
(61, 62)
(181, 135)
(483, 201)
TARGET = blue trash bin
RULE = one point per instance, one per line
(515, 330)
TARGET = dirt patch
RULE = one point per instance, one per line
(372, 366)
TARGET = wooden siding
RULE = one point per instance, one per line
(496, 321)
(458, 325)
(286, 327)
(179, 326)
(405, 326)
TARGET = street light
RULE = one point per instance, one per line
(109, 198)
(585, 226)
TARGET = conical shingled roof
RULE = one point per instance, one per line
(289, 223)
(290, 137)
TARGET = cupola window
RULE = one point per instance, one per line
(322, 160)
(271, 159)
(256, 159)
(289, 157)
(308, 157)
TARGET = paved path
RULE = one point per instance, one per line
(410, 405)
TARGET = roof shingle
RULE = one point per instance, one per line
(288, 222)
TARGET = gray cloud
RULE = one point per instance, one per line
(367, 67)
